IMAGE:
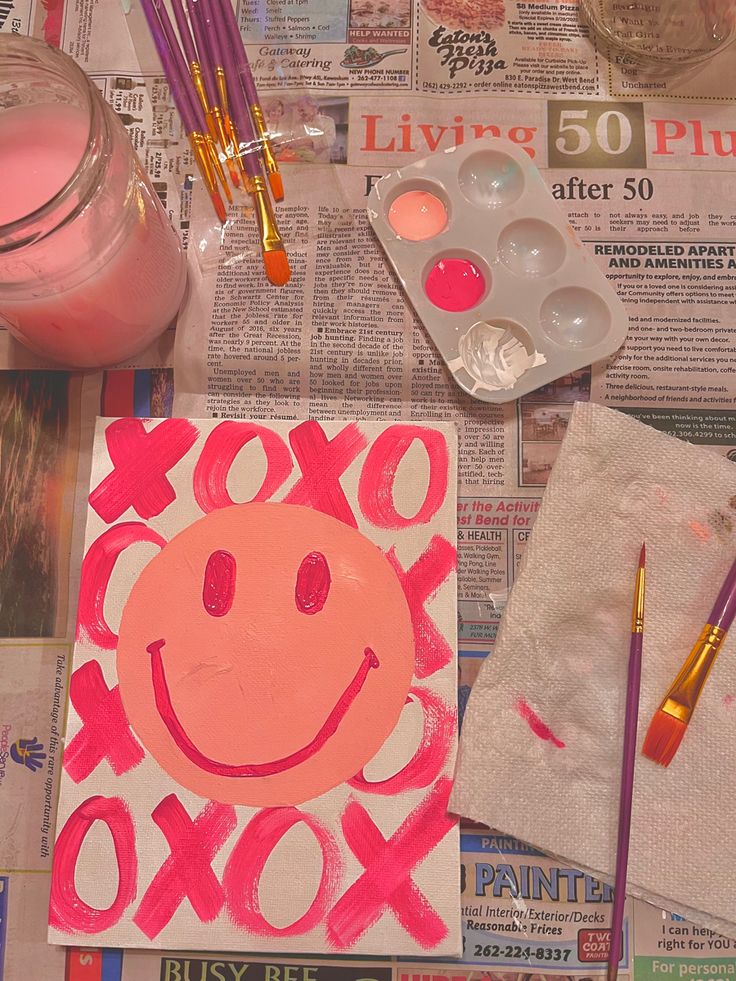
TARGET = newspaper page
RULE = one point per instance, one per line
(46, 428)
(639, 165)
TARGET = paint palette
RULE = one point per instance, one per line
(508, 293)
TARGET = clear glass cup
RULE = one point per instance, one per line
(661, 36)
(91, 271)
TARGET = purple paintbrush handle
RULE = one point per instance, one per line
(241, 56)
(213, 37)
(238, 107)
(724, 608)
(177, 82)
(203, 49)
(184, 33)
(180, 65)
(626, 795)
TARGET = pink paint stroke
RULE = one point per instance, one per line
(322, 463)
(187, 872)
(218, 455)
(728, 700)
(67, 910)
(376, 485)
(386, 881)
(97, 568)
(420, 583)
(105, 732)
(242, 875)
(53, 21)
(141, 461)
(313, 582)
(438, 733)
(536, 725)
(176, 730)
(218, 589)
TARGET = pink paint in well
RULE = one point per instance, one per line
(455, 284)
(417, 216)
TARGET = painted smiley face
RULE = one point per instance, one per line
(265, 654)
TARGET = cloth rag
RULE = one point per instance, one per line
(542, 739)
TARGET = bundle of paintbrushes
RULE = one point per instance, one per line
(213, 89)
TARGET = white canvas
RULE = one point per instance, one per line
(261, 731)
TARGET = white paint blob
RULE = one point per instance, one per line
(496, 355)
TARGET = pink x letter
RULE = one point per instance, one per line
(141, 461)
(187, 872)
(322, 463)
(105, 733)
(420, 583)
(387, 880)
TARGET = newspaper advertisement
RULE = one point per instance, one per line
(356, 88)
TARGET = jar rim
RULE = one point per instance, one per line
(642, 58)
(20, 231)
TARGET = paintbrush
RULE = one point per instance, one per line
(182, 92)
(195, 72)
(272, 247)
(201, 38)
(627, 768)
(218, 62)
(673, 716)
(242, 66)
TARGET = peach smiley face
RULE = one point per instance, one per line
(265, 654)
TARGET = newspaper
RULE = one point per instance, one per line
(640, 166)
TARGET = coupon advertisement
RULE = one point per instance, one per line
(523, 910)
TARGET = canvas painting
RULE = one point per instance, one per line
(262, 723)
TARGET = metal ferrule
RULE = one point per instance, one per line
(221, 132)
(222, 88)
(262, 130)
(198, 144)
(270, 238)
(637, 616)
(217, 165)
(683, 696)
(196, 73)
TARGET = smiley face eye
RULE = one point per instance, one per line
(312, 583)
(218, 589)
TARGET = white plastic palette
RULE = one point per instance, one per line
(506, 290)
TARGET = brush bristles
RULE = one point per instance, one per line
(277, 186)
(277, 267)
(219, 206)
(663, 738)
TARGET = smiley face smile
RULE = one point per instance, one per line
(170, 719)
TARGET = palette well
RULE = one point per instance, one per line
(506, 290)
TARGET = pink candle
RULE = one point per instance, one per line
(91, 271)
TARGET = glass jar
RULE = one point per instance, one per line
(91, 271)
(661, 36)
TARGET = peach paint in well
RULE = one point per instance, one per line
(417, 216)
(124, 302)
(455, 284)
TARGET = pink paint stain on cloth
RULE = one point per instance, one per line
(700, 531)
(540, 730)
(728, 700)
